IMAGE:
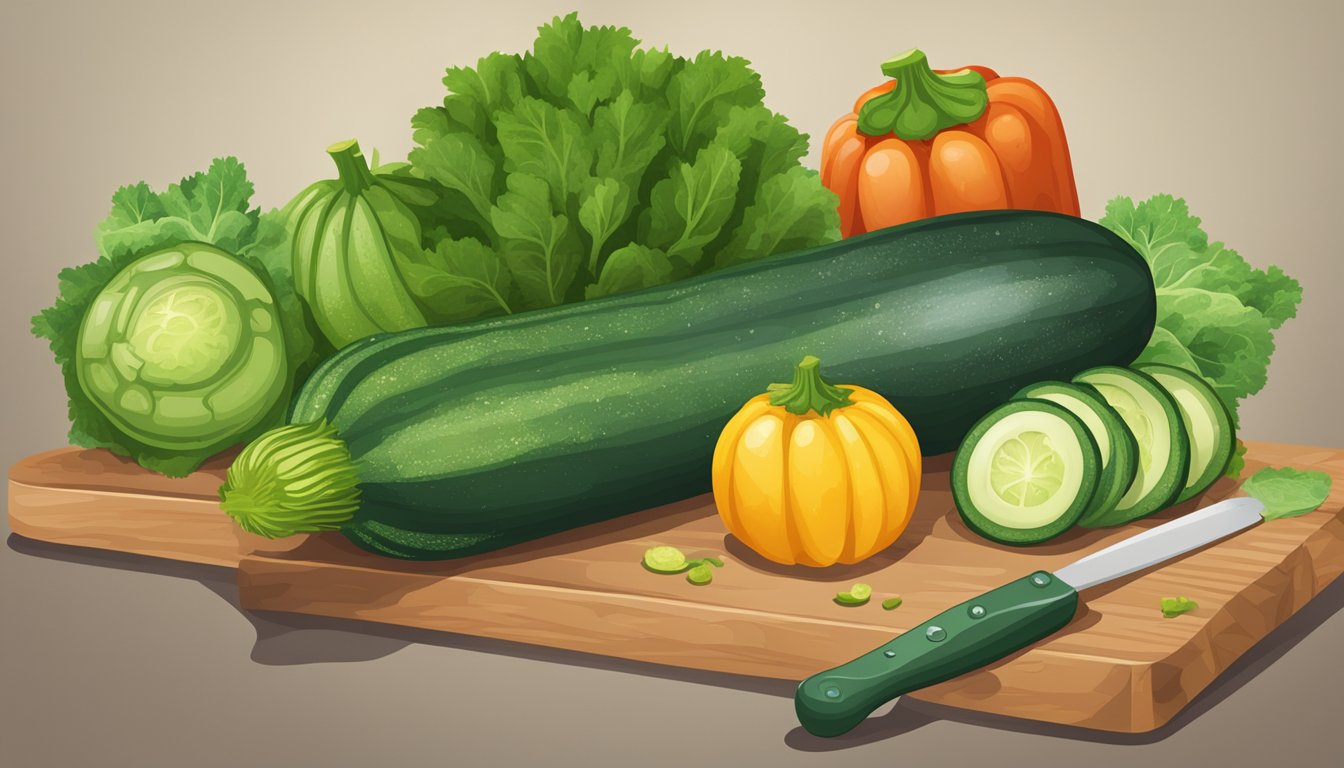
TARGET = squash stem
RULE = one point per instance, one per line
(298, 478)
(809, 392)
(353, 168)
(923, 102)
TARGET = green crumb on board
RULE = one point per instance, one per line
(665, 560)
(857, 595)
(1175, 606)
(700, 575)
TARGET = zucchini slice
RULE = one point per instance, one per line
(1207, 420)
(1164, 448)
(1025, 472)
(1119, 451)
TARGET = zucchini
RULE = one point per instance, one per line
(1164, 447)
(477, 436)
(1119, 451)
(1207, 420)
(1026, 472)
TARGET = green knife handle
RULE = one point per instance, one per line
(954, 642)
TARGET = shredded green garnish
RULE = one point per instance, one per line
(1175, 606)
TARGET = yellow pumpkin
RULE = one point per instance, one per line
(814, 474)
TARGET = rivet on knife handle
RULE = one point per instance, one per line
(956, 641)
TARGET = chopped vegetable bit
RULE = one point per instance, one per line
(1175, 606)
(714, 561)
(665, 560)
(700, 575)
(1288, 492)
(857, 595)
(892, 603)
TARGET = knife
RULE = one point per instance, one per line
(987, 628)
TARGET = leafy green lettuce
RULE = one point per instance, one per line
(1288, 492)
(209, 207)
(589, 166)
(1216, 314)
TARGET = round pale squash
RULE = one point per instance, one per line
(814, 474)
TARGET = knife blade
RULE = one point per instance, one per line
(984, 629)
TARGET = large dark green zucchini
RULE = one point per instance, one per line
(473, 437)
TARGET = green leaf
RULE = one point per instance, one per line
(565, 51)
(1274, 294)
(460, 163)
(543, 141)
(1155, 225)
(541, 258)
(792, 211)
(1288, 492)
(430, 123)
(603, 205)
(626, 136)
(458, 280)
(646, 73)
(630, 269)
(1175, 606)
(690, 207)
(475, 94)
(208, 207)
(702, 93)
(761, 139)
(1215, 312)
(1228, 343)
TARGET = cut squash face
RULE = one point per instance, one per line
(1025, 473)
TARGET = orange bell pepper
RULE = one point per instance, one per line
(927, 142)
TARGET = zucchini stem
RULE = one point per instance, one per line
(351, 165)
(298, 478)
(808, 391)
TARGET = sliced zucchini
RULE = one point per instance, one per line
(1164, 448)
(1025, 472)
(1119, 451)
(1213, 440)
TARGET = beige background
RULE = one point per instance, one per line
(108, 661)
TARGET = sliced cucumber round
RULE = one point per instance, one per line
(1207, 421)
(1119, 451)
(1164, 448)
(1025, 472)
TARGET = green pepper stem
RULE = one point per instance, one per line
(351, 165)
(298, 478)
(923, 101)
(808, 391)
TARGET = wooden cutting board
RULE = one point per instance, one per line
(1120, 666)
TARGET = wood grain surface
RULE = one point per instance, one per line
(1120, 666)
